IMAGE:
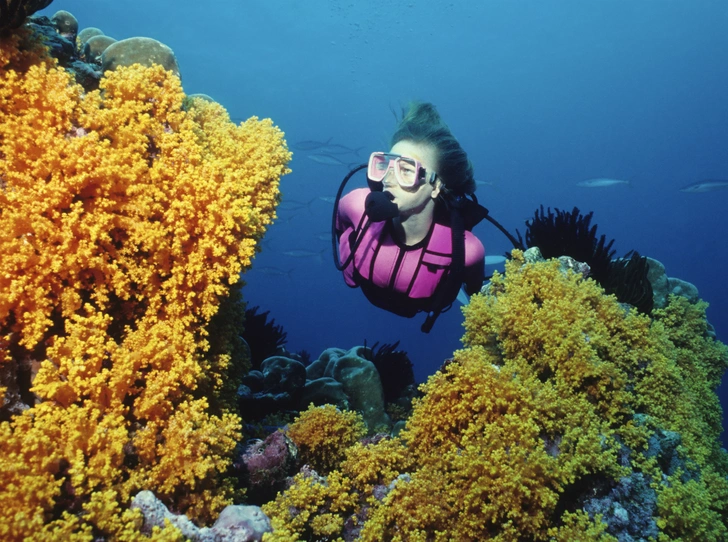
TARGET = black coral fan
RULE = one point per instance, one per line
(571, 234)
(264, 338)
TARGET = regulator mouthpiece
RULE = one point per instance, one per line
(379, 206)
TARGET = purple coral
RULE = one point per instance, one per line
(266, 464)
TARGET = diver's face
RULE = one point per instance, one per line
(415, 199)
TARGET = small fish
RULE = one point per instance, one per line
(600, 183)
(328, 199)
(301, 253)
(323, 236)
(335, 148)
(293, 205)
(273, 271)
(705, 186)
(310, 145)
(326, 159)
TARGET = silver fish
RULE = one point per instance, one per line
(326, 159)
(705, 186)
(335, 148)
(310, 145)
(273, 271)
(292, 205)
(600, 183)
(300, 253)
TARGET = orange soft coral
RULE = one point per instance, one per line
(124, 219)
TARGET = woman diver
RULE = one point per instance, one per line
(406, 240)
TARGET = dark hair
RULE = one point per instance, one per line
(423, 124)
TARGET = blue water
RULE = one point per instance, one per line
(541, 95)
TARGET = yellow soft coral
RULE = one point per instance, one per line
(323, 434)
(313, 508)
(559, 396)
(683, 390)
(493, 451)
(124, 220)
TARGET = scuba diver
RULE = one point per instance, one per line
(406, 240)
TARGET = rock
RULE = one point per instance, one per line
(86, 34)
(277, 387)
(658, 279)
(240, 523)
(155, 512)
(359, 379)
(236, 523)
(139, 50)
(14, 12)
(66, 24)
(683, 289)
(324, 390)
(284, 374)
(95, 47)
(533, 255)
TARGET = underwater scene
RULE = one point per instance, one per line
(336, 271)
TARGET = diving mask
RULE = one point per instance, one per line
(409, 172)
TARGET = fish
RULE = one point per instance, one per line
(310, 145)
(293, 205)
(302, 253)
(328, 199)
(600, 183)
(273, 271)
(335, 148)
(708, 185)
(326, 159)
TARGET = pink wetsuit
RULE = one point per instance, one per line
(400, 278)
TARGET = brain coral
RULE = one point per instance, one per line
(124, 220)
(558, 399)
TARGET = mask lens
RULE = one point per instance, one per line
(407, 171)
(378, 166)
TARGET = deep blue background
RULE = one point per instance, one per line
(541, 95)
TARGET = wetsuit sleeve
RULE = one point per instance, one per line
(474, 264)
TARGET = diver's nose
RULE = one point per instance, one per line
(389, 179)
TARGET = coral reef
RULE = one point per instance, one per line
(359, 380)
(394, 368)
(125, 220)
(276, 387)
(14, 12)
(323, 433)
(264, 337)
(138, 50)
(566, 417)
(571, 234)
(264, 466)
(236, 523)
